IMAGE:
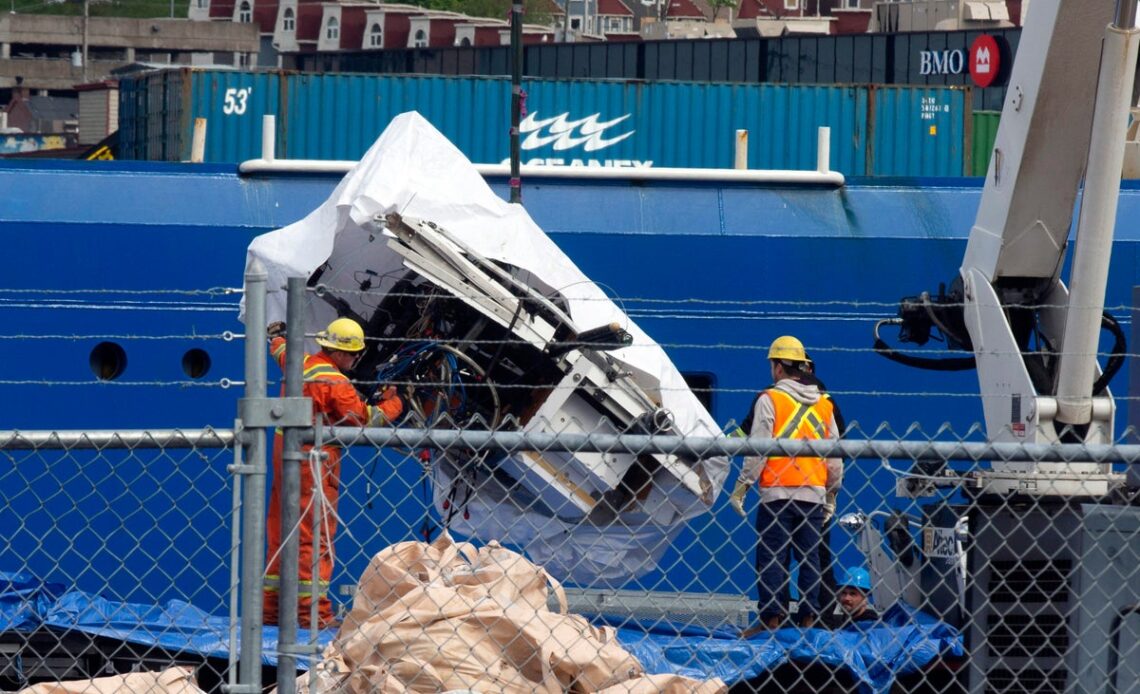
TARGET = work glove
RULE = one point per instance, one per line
(389, 393)
(382, 394)
(737, 498)
(275, 329)
(828, 506)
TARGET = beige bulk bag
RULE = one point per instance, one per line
(450, 616)
(174, 680)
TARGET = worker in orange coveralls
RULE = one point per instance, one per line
(336, 400)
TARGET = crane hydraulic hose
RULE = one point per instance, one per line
(946, 364)
(1111, 367)
(1116, 357)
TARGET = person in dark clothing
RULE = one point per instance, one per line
(853, 600)
(828, 591)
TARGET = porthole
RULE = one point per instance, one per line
(703, 385)
(108, 361)
(196, 363)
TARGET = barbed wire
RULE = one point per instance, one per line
(120, 336)
(119, 383)
(225, 383)
(626, 300)
(227, 336)
(213, 291)
(758, 347)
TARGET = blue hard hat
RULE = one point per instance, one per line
(856, 577)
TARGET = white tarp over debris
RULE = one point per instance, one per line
(414, 171)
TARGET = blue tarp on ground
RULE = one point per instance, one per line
(875, 653)
(902, 641)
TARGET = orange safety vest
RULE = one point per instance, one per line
(795, 420)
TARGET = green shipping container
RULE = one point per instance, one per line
(985, 130)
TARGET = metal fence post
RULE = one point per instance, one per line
(291, 458)
(1133, 386)
(253, 509)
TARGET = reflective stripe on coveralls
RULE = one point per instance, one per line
(272, 583)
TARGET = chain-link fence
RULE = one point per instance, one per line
(110, 540)
(488, 538)
(959, 590)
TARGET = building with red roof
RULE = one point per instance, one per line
(685, 19)
(615, 21)
(289, 27)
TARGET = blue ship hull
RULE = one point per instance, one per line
(120, 253)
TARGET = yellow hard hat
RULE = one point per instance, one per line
(787, 348)
(343, 334)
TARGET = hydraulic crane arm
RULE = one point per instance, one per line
(1041, 146)
(1034, 340)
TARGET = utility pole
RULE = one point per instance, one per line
(516, 98)
(86, 3)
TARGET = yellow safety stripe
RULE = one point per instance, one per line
(272, 584)
(278, 350)
(314, 373)
(799, 414)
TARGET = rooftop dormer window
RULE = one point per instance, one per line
(376, 36)
(245, 12)
(288, 20)
(332, 30)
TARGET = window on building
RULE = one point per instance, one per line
(245, 12)
(575, 23)
(613, 23)
(203, 4)
(288, 20)
(464, 41)
(851, 4)
(332, 29)
(421, 40)
(791, 4)
(376, 36)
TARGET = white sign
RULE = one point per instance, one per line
(944, 62)
(939, 543)
(562, 134)
(235, 99)
(930, 108)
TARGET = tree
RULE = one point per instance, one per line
(717, 4)
(535, 12)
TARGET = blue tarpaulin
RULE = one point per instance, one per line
(875, 653)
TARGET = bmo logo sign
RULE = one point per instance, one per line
(941, 62)
(983, 61)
